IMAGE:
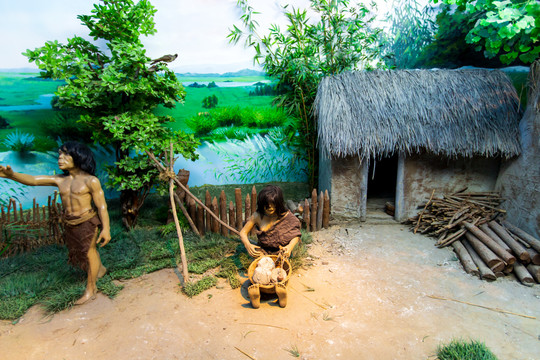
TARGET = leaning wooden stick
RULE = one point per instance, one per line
(185, 273)
(484, 307)
(162, 168)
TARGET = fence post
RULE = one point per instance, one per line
(238, 201)
(208, 203)
(313, 215)
(326, 210)
(223, 212)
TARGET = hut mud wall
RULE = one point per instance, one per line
(519, 178)
(419, 175)
(346, 181)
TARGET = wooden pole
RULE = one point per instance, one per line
(223, 212)
(186, 214)
(238, 204)
(465, 258)
(214, 214)
(313, 209)
(490, 243)
(485, 272)
(486, 229)
(529, 239)
(326, 210)
(491, 260)
(320, 211)
(185, 273)
(518, 250)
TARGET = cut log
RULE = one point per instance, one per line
(535, 256)
(490, 243)
(529, 239)
(534, 270)
(523, 274)
(485, 272)
(465, 258)
(489, 257)
(486, 229)
(518, 250)
(291, 206)
(326, 210)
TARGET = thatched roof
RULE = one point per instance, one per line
(447, 112)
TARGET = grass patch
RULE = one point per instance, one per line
(465, 350)
(44, 277)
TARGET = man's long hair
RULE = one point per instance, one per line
(83, 158)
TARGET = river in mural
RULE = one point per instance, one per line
(253, 159)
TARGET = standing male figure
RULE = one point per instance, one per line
(79, 188)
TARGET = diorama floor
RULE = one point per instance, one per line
(366, 296)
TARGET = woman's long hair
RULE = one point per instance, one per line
(83, 158)
(271, 194)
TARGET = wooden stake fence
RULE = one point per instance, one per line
(25, 230)
(314, 213)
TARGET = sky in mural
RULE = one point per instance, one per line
(196, 30)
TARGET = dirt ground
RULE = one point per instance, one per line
(367, 296)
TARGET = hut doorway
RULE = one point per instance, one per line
(381, 184)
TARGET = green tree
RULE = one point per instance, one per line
(410, 29)
(508, 29)
(116, 87)
(210, 102)
(343, 38)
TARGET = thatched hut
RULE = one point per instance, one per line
(402, 134)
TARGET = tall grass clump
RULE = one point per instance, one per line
(259, 159)
(465, 350)
(206, 124)
(19, 141)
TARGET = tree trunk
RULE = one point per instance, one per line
(131, 202)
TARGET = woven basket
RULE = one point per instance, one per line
(270, 288)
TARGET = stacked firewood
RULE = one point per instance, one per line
(486, 245)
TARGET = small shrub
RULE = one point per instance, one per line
(19, 141)
(210, 102)
(463, 350)
(4, 123)
(201, 124)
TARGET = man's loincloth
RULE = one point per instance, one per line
(79, 232)
(280, 234)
